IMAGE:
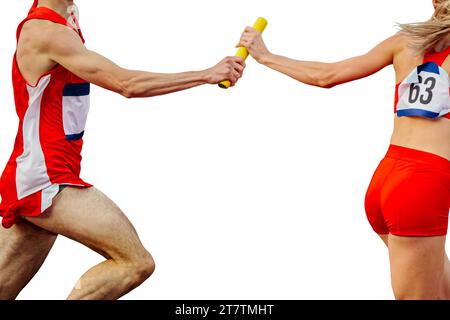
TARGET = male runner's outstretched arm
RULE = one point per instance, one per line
(63, 46)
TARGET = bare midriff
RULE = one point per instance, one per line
(423, 134)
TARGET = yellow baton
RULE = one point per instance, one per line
(259, 25)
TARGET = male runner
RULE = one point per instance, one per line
(42, 193)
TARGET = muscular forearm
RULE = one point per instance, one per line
(64, 47)
(308, 72)
(140, 84)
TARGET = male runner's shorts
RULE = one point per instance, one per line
(410, 194)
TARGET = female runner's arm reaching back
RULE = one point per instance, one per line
(56, 44)
(320, 74)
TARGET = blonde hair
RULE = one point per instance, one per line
(426, 35)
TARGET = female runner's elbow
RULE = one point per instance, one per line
(325, 79)
(325, 84)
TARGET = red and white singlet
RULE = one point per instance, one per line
(47, 151)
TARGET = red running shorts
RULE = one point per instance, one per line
(409, 194)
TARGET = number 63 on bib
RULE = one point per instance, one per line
(425, 93)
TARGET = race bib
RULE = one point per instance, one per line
(425, 93)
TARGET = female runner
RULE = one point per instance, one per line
(408, 200)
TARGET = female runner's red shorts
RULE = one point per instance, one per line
(410, 194)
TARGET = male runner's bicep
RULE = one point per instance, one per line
(365, 65)
(66, 48)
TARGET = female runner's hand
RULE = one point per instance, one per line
(253, 41)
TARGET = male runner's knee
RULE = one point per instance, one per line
(143, 267)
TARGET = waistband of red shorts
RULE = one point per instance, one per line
(413, 155)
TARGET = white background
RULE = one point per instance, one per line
(252, 193)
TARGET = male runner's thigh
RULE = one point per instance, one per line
(23, 249)
(91, 218)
